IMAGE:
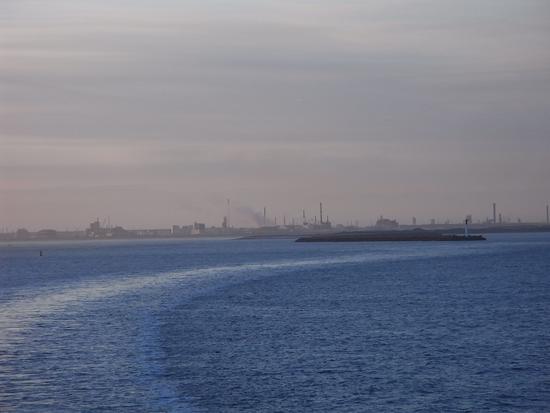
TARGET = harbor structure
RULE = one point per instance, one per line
(198, 228)
(385, 223)
(378, 236)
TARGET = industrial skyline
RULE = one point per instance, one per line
(251, 218)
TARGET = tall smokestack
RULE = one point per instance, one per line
(265, 216)
(228, 213)
(547, 214)
(321, 212)
(494, 213)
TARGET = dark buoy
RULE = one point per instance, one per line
(40, 252)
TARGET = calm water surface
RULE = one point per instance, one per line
(274, 326)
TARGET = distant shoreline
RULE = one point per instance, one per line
(284, 234)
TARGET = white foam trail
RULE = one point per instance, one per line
(17, 314)
(21, 311)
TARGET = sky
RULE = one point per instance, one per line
(155, 112)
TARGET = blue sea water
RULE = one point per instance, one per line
(275, 326)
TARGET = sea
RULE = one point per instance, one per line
(269, 325)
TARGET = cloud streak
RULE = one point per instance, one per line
(368, 104)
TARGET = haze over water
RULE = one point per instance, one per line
(155, 112)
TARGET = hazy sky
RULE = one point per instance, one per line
(153, 112)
